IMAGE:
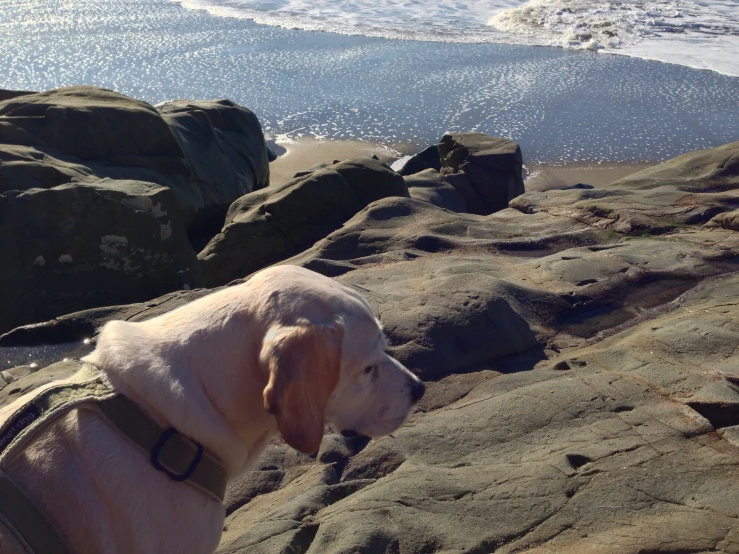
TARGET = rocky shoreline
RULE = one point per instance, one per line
(579, 345)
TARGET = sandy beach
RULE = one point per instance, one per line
(299, 155)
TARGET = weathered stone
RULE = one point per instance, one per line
(86, 133)
(114, 184)
(654, 210)
(8, 94)
(705, 171)
(77, 246)
(727, 220)
(224, 148)
(430, 186)
(270, 225)
(492, 170)
(427, 158)
(16, 389)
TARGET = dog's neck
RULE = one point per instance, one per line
(194, 380)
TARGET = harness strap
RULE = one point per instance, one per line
(175, 454)
(179, 457)
(31, 526)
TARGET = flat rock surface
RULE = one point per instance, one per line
(581, 354)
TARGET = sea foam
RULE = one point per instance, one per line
(697, 33)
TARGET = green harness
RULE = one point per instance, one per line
(176, 455)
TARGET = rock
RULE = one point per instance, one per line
(653, 210)
(425, 159)
(77, 246)
(581, 380)
(579, 186)
(15, 373)
(270, 225)
(704, 171)
(254, 483)
(225, 150)
(78, 326)
(455, 291)
(87, 133)
(486, 171)
(727, 220)
(53, 372)
(430, 186)
(337, 449)
(718, 402)
(8, 94)
(119, 184)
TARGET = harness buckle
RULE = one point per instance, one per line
(158, 465)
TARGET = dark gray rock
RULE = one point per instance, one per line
(225, 150)
(8, 94)
(430, 186)
(425, 159)
(78, 246)
(488, 172)
(213, 153)
(273, 224)
(93, 166)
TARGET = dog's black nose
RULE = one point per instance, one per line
(418, 389)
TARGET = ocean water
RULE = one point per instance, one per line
(562, 105)
(698, 33)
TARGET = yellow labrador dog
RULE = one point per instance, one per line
(285, 352)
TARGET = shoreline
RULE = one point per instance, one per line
(302, 154)
(544, 177)
(299, 155)
(666, 49)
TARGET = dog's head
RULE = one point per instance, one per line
(327, 362)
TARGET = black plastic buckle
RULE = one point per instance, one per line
(158, 465)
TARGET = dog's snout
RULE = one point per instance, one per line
(418, 389)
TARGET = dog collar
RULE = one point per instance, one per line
(181, 458)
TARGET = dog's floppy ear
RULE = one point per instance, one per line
(303, 363)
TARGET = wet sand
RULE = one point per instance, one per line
(305, 153)
(546, 177)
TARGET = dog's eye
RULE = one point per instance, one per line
(369, 369)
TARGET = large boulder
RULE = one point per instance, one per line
(80, 166)
(428, 158)
(224, 148)
(487, 171)
(430, 186)
(78, 245)
(87, 133)
(270, 225)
